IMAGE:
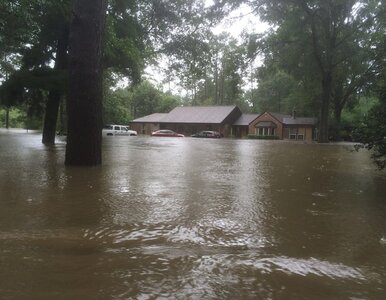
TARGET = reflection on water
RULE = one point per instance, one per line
(167, 218)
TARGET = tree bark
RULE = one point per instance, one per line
(84, 105)
(338, 120)
(216, 101)
(50, 117)
(325, 108)
(7, 117)
(54, 96)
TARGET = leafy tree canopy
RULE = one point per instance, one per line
(372, 132)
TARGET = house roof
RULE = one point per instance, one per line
(290, 120)
(217, 115)
(199, 114)
(279, 116)
(245, 119)
(299, 121)
(153, 118)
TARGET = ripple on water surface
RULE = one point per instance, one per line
(191, 219)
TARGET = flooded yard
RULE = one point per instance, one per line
(185, 218)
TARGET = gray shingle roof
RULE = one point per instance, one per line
(199, 114)
(299, 121)
(289, 120)
(216, 115)
(153, 118)
(245, 119)
(279, 116)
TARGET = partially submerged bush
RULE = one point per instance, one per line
(263, 137)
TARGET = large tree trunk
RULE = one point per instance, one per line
(84, 104)
(54, 96)
(325, 108)
(7, 117)
(338, 120)
(62, 118)
(50, 117)
(216, 101)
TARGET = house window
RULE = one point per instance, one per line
(295, 134)
(265, 129)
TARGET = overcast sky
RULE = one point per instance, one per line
(239, 21)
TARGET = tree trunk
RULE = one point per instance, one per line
(337, 118)
(54, 96)
(216, 81)
(7, 117)
(62, 122)
(325, 108)
(221, 87)
(50, 117)
(84, 105)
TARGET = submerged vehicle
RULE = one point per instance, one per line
(118, 130)
(207, 134)
(166, 133)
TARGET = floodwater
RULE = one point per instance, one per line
(184, 218)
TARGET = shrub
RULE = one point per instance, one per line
(263, 137)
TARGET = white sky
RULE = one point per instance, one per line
(239, 21)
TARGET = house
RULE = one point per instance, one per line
(190, 119)
(229, 121)
(147, 124)
(284, 126)
(240, 128)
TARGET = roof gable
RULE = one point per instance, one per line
(245, 119)
(279, 116)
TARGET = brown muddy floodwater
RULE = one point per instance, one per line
(187, 218)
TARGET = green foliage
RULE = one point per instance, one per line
(372, 134)
(310, 38)
(273, 93)
(372, 131)
(123, 105)
(116, 109)
(328, 47)
(146, 99)
(167, 102)
(124, 49)
(16, 118)
(13, 90)
(353, 117)
(211, 69)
